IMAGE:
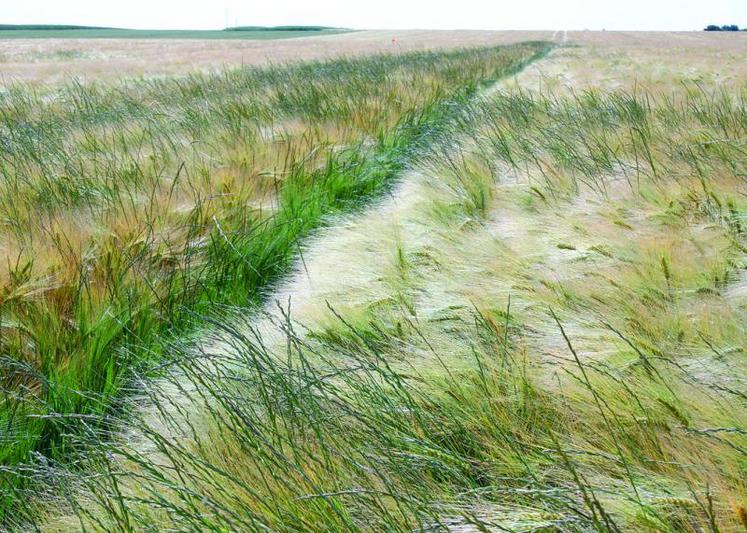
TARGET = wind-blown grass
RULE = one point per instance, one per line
(542, 330)
(130, 209)
(548, 335)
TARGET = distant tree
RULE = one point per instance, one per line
(726, 27)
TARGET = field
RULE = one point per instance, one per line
(60, 60)
(492, 288)
(114, 33)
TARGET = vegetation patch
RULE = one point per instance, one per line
(131, 209)
(479, 375)
(540, 329)
(62, 31)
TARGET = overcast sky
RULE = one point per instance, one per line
(394, 14)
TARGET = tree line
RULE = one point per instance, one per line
(727, 27)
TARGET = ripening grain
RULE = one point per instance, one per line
(541, 328)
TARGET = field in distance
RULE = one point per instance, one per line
(8, 31)
(59, 60)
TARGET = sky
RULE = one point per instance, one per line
(381, 14)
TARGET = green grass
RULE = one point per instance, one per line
(86, 32)
(133, 208)
(282, 28)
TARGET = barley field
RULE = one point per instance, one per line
(495, 287)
